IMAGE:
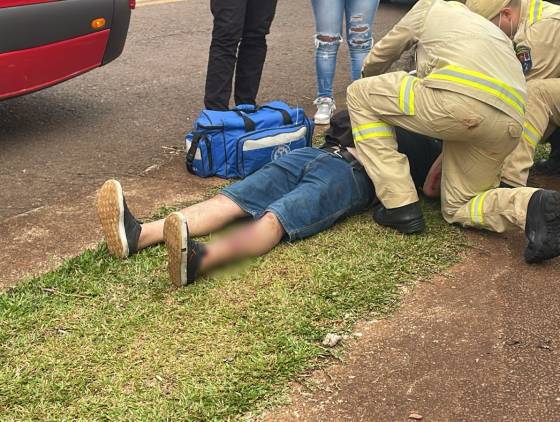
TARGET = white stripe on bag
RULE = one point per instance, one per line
(271, 141)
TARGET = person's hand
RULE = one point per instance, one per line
(432, 184)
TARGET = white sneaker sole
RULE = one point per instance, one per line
(110, 210)
(175, 236)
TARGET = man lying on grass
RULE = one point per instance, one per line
(293, 197)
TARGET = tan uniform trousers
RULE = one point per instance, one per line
(543, 115)
(477, 138)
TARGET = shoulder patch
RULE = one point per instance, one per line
(524, 56)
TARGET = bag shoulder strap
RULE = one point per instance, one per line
(192, 152)
(249, 124)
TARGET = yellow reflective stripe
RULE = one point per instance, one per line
(369, 126)
(480, 207)
(494, 92)
(535, 11)
(402, 93)
(513, 91)
(476, 209)
(412, 112)
(527, 125)
(373, 136)
(530, 141)
(483, 82)
(531, 134)
(373, 130)
(406, 97)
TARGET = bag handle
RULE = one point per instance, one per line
(285, 115)
(249, 124)
(192, 152)
(246, 108)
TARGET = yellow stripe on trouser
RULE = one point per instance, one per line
(476, 208)
(406, 97)
(372, 131)
(531, 134)
(493, 86)
(535, 11)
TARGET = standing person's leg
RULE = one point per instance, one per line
(329, 16)
(543, 110)
(252, 49)
(229, 20)
(359, 29)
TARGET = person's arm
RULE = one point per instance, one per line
(432, 184)
(544, 49)
(403, 36)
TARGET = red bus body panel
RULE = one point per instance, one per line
(36, 68)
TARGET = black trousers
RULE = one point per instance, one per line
(554, 140)
(238, 44)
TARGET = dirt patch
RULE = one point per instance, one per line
(42, 238)
(479, 344)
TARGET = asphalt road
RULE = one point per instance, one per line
(118, 120)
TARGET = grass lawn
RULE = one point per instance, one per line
(542, 152)
(103, 339)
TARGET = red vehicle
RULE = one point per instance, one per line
(44, 42)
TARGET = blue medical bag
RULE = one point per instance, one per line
(238, 142)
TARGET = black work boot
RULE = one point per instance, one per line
(542, 227)
(406, 219)
(551, 166)
(184, 255)
(120, 228)
(548, 167)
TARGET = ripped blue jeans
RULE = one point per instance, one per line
(329, 16)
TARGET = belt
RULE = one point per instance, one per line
(340, 152)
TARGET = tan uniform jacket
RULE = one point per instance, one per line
(458, 51)
(539, 32)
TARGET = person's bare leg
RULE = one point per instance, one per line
(203, 218)
(253, 239)
(186, 259)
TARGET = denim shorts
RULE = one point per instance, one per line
(308, 190)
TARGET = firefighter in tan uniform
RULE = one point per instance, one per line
(470, 92)
(537, 44)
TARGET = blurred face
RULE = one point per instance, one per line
(508, 20)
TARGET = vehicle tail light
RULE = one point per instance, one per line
(132, 4)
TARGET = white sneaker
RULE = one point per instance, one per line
(325, 110)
